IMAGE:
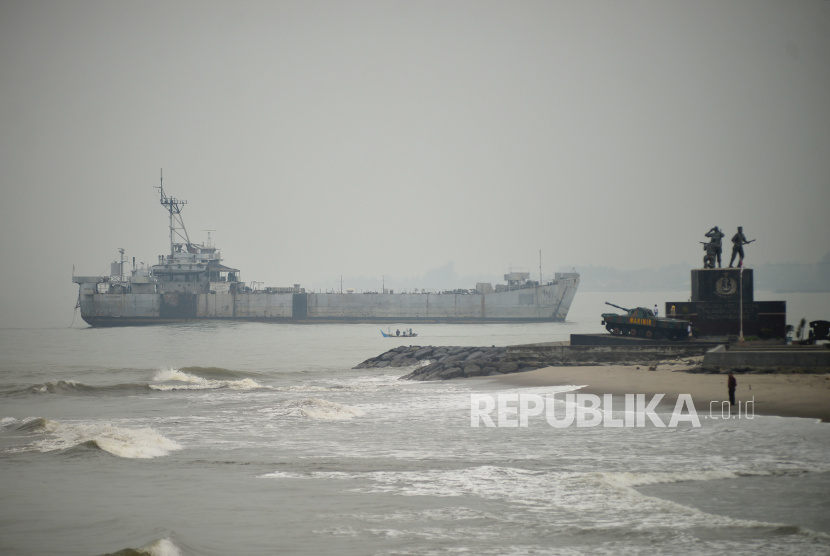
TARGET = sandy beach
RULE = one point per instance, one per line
(786, 395)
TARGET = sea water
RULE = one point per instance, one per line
(245, 438)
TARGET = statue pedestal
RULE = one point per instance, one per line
(722, 284)
(718, 297)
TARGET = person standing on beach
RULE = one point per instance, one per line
(731, 384)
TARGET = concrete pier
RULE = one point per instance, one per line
(771, 359)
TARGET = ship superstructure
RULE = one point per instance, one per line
(191, 283)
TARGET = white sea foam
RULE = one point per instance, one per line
(359, 384)
(448, 513)
(118, 441)
(304, 388)
(641, 479)
(161, 547)
(281, 475)
(604, 500)
(624, 480)
(7, 422)
(57, 385)
(175, 379)
(316, 408)
(313, 475)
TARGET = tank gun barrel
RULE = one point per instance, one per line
(617, 306)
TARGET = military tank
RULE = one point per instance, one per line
(641, 322)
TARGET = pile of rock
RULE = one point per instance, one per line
(446, 362)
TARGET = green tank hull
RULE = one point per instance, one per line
(642, 323)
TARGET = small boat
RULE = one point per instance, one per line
(398, 334)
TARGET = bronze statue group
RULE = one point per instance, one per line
(714, 248)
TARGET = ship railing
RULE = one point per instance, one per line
(90, 279)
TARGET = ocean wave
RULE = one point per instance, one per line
(621, 486)
(360, 384)
(29, 424)
(186, 378)
(178, 379)
(282, 475)
(309, 475)
(217, 373)
(591, 504)
(161, 547)
(578, 503)
(74, 437)
(643, 479)
(308, 388)
(72, 387)
(316, 408)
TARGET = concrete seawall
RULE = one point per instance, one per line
(592, 355)
(579, 352)
(809, 359)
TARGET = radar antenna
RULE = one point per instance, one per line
(174, 208)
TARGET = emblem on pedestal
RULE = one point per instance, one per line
(726, 286)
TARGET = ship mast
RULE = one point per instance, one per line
(174, 208)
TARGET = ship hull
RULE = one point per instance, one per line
(541, 303)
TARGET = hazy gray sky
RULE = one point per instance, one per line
(334, 138)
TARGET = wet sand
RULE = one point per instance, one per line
(785, 395)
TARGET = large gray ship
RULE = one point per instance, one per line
(192, 284)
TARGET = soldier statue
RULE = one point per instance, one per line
(712, 252)
(715, 236)
(738, 242)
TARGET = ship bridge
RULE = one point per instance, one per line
(222, 273)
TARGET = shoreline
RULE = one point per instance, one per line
(782, 395)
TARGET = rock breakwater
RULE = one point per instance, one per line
(446, 362)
